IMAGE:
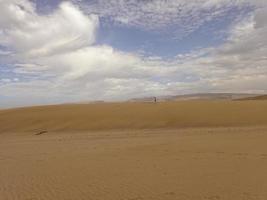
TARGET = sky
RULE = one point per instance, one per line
(54, 51)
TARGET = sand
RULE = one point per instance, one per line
(128, 116)
(183, 156)
(260, 97)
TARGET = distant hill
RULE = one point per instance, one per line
(260, 97)
(199, 96)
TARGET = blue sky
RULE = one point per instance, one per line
(167, 42)
(137, 39)
(54, 51)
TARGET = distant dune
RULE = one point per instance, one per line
(260, 97)
(140, 115)
(198, 96)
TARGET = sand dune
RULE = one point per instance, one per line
(260, 97)
(198, 96)
(109, 116)
(193, 150)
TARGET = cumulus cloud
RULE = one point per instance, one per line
(57, 60)
(242, 58)
(28, 33)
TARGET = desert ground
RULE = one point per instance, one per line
(184, 150)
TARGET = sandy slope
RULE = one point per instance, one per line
(72, 161)
(190, 164)
(260, 97)
(134, 116)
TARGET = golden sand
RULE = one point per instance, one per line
(110, 116)
(208, 150)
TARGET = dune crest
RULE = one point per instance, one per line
(127, 116)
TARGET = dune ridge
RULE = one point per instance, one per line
(190, 150)
(260, 97)
(107, 116)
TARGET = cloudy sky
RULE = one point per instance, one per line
(54, 51)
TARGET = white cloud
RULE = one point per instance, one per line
(4, 53)
(242, 60)
(5, 80)
(30, 34)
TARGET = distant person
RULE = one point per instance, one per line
(155, 99)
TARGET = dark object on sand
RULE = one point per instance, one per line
(41, 132)
(155, 99)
